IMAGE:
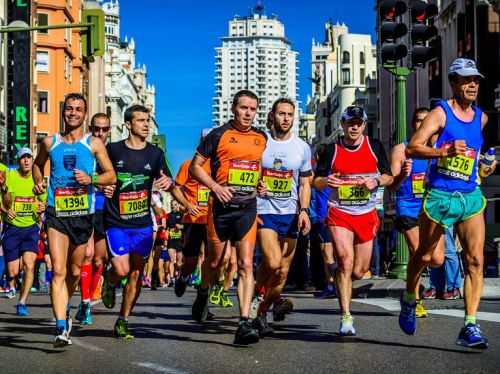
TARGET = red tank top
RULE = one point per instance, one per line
(358, 161)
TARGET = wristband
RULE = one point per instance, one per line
(94, 178)
(304, 210)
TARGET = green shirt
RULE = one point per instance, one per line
(23, 199)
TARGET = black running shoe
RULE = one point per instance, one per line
(199, 311)
(180, 286)
(246, 334)
(260, 324)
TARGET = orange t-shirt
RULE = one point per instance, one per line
(194, 192)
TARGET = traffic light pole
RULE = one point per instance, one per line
(52, 27)
(398, 268)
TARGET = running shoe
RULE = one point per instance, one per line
(108, 294)
(328, 293)
(420, 311)
(226, 301)
(246, 334)
(199, 311)
(122, 331)
(347, 326)
(196, 278)
(215, 293)
(62, 338)
(180, 286)
(78, 314)
(407, 317)
(254, 306)
(170, 283)
(281, 308)
(453, 294)
(429, 294)
(260, 324)
(86, 314)
(470, 336)
(11, 293)
(22, 310)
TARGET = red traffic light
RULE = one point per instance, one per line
(421, 11)
(390, 9)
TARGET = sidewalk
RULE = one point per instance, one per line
(369, 288)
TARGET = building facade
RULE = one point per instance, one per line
(341, 67)
(3, 86)
(125, 80)
(256, 56)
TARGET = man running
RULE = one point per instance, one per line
(96, 256)
(283, 207)
(127, 216)
(355, 167)
(70, 202)
(174, 243)
(21, 231)
(453, 196)
(235, 151)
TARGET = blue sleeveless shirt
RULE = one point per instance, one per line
(459, 173)
(410, 193)
(65, 195)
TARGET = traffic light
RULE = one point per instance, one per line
(422, 31)
(93, 37)
(391, 28)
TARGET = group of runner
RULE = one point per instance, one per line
(246, 189)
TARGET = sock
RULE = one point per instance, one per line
(469, 319)
(61, 324)
(48, 276)
(409, 297)
(85, 280)
(96, 277)
(346, 317)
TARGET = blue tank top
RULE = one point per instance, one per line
(319, 204)
(457, 173)
(65, 195)
(99, 200)
(410, 193)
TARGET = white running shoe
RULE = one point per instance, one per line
(347, 327)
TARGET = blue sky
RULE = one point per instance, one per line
(176, 40)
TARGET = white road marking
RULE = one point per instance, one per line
(392, 305)
(159, 368)
(90, 347)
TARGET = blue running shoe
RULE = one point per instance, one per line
(328, 293)
(86, 315)
(22, 310)
(79, 315)
(407, 317)
(470, 336)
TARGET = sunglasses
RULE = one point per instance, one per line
(355, 111)
(99, 129)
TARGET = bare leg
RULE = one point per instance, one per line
(29, 259)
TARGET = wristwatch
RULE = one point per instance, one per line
(304, 210)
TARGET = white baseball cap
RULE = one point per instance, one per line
(464, 67)
(23, 152)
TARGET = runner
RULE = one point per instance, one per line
(218, 293)
(96, 256)
(235, 150)
(283, 207)
(70, 203)
(127, 216)
(354, 167)
(194, 220)
(21, 231)
(409, 184)
(174, 244)
(453, 196)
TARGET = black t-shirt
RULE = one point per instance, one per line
(324, 166)
(135, 173)
(174, 218)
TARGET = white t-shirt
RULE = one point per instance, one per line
(283, 162)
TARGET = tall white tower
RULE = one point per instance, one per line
(256, 56)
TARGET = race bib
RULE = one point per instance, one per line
(418, 184)
(459, 166)
(71, 201)
(133, 204)
(353, 193)
(24, 206)
(243, 175)
(278, 182)
(175, 234)
(203, 195)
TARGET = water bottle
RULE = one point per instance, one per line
(486, 162)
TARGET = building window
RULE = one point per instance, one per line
(42, 61)
(43, 20)
(43, 102)
(346, 58)
(346, 76)
(362, 76)
(362, 58)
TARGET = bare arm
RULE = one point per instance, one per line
(223, 193)
(108, 176)
(179, 196)
(418, 147)
(398, 166)
(39, 165)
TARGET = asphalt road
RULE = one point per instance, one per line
(168, 341)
